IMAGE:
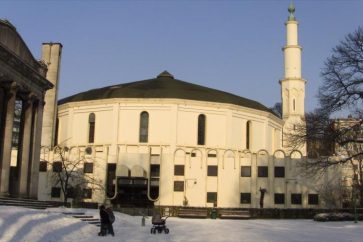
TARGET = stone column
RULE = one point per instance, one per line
(25, 147)
(8, 135)
(37, 131)
(3, 101)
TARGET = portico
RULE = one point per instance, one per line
(22, 90)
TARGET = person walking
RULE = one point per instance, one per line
(106, 226)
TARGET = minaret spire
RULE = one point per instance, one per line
(291, 11)
(292, 85)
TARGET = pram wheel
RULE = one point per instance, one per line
(166, 231)
(151, 230)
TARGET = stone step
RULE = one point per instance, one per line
(74, 213)
(24, 205)
(29, 203)
(90, 219)
(82, 216)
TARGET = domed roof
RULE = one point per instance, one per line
(164, 86)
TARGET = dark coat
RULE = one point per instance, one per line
(104, 217)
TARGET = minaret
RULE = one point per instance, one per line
(293, 85)
(51, 56)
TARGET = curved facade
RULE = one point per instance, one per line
(167, 142)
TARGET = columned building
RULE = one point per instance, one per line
(23, 85)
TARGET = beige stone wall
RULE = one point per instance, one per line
(172, 140)
(228, 185)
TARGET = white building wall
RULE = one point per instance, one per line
(173, 140)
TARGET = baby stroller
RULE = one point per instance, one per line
(158, 223)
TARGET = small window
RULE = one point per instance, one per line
(193, 154)
(211, 197)
(262, 171)
(212, 171)
(279, 171)
(294, 104)
(296, 198)
(279, 198)
(43, 166)
(56, 192)
(245, 171)
(57, 166)
(56, 132)
(91, 127)
(155, 170)
(144, 127)
(248, 135)
(313, 199)
(179, 170)
(212, 155)
(88, 167)
(201, 129)
(87, 193)
(246, 198)
(178, 186)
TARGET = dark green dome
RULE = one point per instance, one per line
(164, 86)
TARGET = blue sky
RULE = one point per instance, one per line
(234, 46)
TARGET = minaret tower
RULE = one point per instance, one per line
(293, 85)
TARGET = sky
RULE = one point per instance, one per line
(21, 224)
(230, 45)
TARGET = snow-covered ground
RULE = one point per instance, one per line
(21, 224)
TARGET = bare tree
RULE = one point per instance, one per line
(69, 174)
(337, 142)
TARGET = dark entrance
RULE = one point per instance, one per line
(132, 192)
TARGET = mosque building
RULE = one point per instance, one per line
(168, 142)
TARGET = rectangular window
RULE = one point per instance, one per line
(262, 171)
(296, 198)
(279, 171)
(279, 198)
(88, 167)
(212, 171)
(56, 192)
(179, 170)
(212, 155)
(70, 192)
(155, 170)
(178, 186)
(57, 166)
(87, 193)
(245, 171)
(313, 199)
(43, 166)
(246, 198)
(211, 197)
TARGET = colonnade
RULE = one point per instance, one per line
(23, 181)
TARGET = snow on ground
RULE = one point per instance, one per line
(21, 224)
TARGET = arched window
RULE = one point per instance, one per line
(144, 127)
(248, 135)
(201, 129)
(91, 130)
